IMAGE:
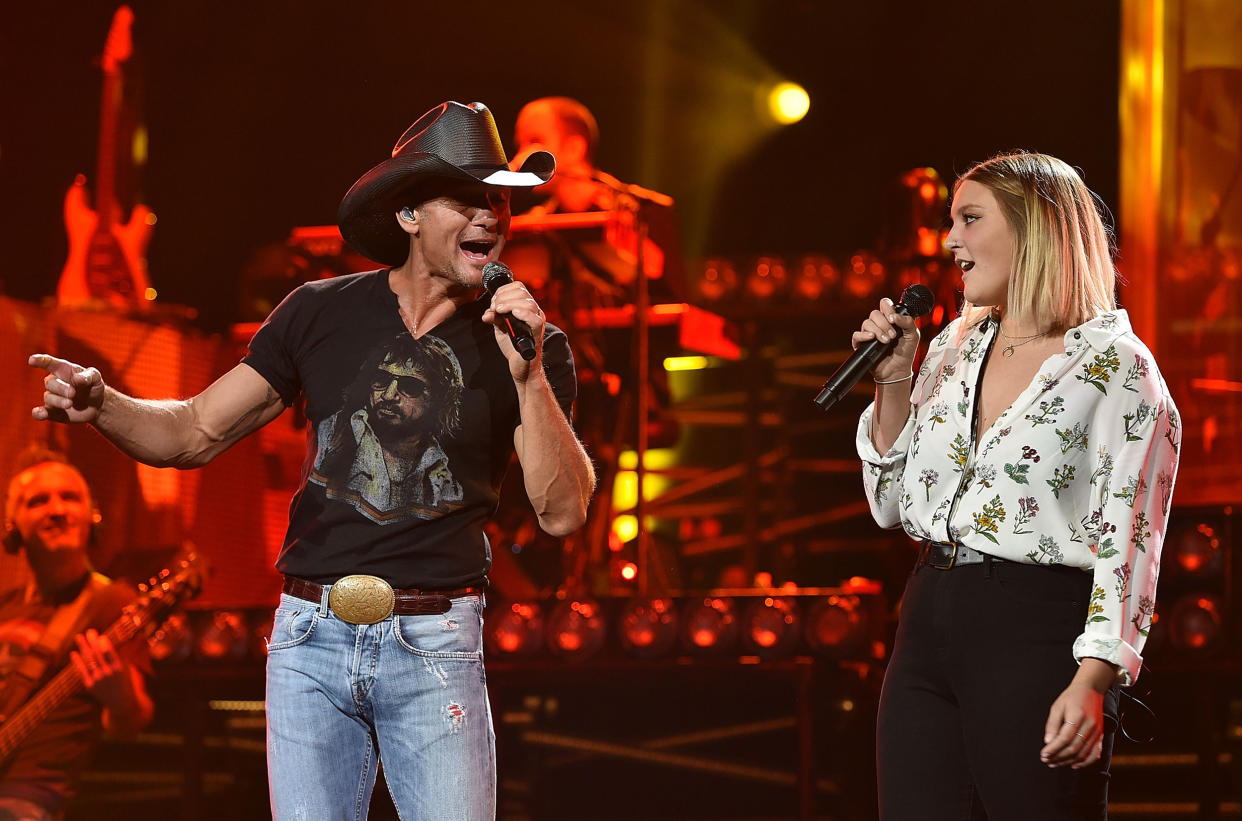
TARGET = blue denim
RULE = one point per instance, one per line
(409, 690)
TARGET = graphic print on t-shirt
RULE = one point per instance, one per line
(382, 451)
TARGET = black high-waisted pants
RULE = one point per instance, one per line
(981, 653)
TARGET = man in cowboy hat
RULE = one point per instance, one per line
(376, 644)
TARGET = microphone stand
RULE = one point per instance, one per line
(630, 197)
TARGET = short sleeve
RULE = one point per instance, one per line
(558, 366)
(271, 352)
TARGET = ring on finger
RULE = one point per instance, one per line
(1080, 735)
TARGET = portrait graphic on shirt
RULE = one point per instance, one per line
(382, 451)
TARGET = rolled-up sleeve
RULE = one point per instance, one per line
(1129, 525)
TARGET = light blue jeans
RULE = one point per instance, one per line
(410, 690)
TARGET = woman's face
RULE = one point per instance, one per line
(981, 242)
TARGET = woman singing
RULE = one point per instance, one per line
(1034, 458)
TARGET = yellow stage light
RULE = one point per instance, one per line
(683, 363)
(788, 103)
(626, 527)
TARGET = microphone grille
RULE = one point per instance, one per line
(917, 298)
(496, 274)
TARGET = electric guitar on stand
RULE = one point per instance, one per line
(106, 264)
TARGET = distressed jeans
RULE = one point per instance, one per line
(409, 690)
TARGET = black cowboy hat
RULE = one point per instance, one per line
(451, 141)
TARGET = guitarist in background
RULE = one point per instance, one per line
(47, 588)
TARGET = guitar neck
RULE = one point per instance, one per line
(105, 165)
(63, 685)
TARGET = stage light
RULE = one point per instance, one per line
(1195, 622)
(171, 642)
(788, 103)
(815, 276)
(770, 626)
(629, 571)
(648, 627)
(625, 527)
(685, 363)
(865, 276)
(514, 630)
(767, 279)
(717, 281)
(709, 626)
(1196, 551)
(223, 636)
(837, 626)
(576, 628)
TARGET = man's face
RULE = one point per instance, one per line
(52, 510)
(398, 400)
(461, 229)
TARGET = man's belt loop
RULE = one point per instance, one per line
(324, 594)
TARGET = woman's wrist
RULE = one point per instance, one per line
(1097, 674)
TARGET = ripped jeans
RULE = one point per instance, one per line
(409, 690)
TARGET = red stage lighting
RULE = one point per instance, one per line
(648, 627)
(223, 636)
(718, 280)
(514, 630)
(709, 626)
(1197, 551)
(576, 628)
(837, 626)
(171, 642)
(770, 626)
(815, 276)
(1195, 622)
(767, 278)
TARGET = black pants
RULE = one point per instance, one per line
(981, 653)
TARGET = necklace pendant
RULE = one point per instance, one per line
(1008, 351)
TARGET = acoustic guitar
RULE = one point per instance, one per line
(106, 264)
(156, 601)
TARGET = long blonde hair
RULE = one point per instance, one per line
(1063, 272)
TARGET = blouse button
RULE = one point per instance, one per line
(1077, 335)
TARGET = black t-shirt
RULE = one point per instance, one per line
(46, 766)
(408, 439)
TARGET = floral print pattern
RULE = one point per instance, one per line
(1081, 475)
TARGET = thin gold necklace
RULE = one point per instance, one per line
(1007, 351)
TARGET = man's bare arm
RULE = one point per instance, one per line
(182, 433)
(556, 470)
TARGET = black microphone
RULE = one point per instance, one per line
(916, 301)
(496, 275)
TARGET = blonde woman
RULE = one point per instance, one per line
(1033, 456)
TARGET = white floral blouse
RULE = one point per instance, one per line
(1078, 471)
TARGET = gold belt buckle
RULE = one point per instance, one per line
(952, 559)
(362, 599)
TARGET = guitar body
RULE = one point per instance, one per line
(106, 263)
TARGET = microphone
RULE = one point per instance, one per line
(916, 301)
(495, 275)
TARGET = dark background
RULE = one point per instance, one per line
(262, 114)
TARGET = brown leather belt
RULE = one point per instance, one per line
(370, 599)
